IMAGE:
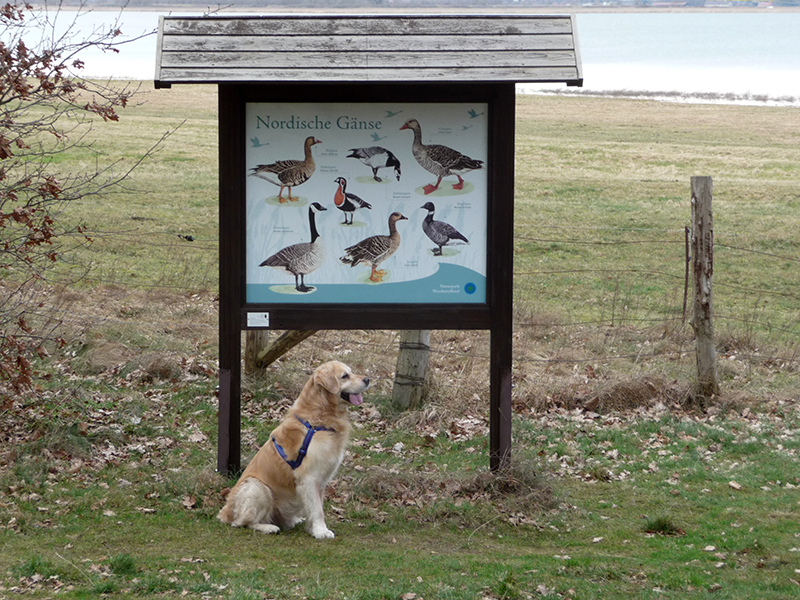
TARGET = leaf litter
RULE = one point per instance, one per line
(570, 436)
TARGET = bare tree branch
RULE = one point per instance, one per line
(47, 109)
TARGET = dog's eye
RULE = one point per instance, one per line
(345, 375)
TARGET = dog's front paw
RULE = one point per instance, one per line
(323, 533)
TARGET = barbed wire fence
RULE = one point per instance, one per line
(617, 328)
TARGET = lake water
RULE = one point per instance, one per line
(696, 56)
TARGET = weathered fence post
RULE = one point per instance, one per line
(412, 364)
(703, 268)
(255, 341)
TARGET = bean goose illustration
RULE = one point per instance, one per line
(347, 202)
(440, 233)
(289, 173)
(303, 258)
(440, 160)
(376, 157)
(376, 249)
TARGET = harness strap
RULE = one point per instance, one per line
(301, 454)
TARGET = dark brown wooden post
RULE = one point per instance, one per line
(501, 266)
(231, 267)
(703, 269)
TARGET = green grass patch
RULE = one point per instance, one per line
(619, 489)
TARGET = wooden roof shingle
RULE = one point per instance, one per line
(367, 48)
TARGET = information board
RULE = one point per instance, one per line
(360, 203)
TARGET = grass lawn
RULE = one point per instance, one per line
(619, 487)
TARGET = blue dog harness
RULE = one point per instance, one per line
(301, 454)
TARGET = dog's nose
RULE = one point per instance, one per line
(366, 380)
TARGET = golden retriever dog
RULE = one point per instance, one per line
(285, 482)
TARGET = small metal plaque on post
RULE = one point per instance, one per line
(258, 319)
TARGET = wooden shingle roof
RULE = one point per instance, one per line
(367, 48)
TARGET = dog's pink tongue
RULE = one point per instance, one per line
(356, 399)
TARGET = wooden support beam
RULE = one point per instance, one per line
(284, 343)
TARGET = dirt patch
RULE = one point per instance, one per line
(631, 394)
(98, 357)
(518, 492)
(153, 365)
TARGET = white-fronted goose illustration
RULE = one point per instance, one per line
(376, 249)
(289, 173)
(301, 259)
(439, 160)
(376, 158)
(347, 202)
(440, 233)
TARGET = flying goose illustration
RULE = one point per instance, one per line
(289, 173)
(303, 258)
(347, 202)
(440, 233)
(439, 160)
(376, 249)
(376, 157)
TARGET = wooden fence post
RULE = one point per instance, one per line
(412, 364)
(255, 341)
(703, 268)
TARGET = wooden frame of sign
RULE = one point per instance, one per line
(274, 72)
(493, 307)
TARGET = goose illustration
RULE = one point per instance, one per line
(376, 157)
(289, 173)
(377, 138)
(440, 233)
(376, 249)
(439, 160)
(473, 114)
(347, 202)
(257, 143)
(303, 258)
(390, 114)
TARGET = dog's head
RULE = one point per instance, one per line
(339, 379)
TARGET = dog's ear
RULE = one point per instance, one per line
(325, 376)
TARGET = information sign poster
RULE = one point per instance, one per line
(360, 203)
